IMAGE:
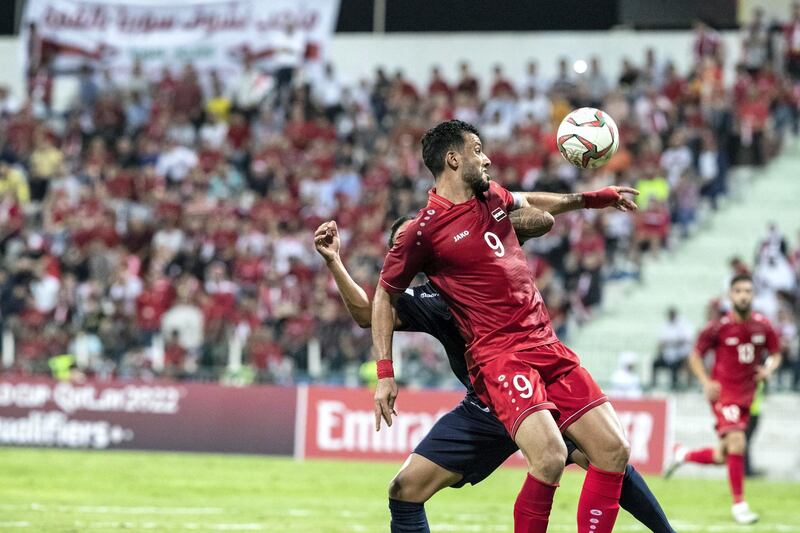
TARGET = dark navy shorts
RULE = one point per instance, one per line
(471, 442)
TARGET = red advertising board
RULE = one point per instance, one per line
(314, 421)
(647, 424)
(147, 416)
(340, 423)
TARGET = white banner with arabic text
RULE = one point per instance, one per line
(216, 35)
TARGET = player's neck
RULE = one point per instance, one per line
(742, 317)
(454, 189)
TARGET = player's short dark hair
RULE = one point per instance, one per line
(741, 277)
(396, 226)
(442, 138)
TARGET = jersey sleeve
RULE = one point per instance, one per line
(707, 339)
(509, 201)
(408, 256)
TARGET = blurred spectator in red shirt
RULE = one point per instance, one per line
(652, 228)
(501, 85)
(753, 115)
(174, 355)
(152, 303)
(438, 85)
(467, 82)
(263, 353)
(707, 43)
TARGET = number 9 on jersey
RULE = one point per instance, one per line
(494, 243)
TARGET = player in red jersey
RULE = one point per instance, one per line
(464, 242)
(739, 340)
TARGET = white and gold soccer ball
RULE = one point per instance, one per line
(588, 137)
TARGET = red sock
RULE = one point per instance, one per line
(703, 456)
(736, 476)
(599, 502)
(532, 508)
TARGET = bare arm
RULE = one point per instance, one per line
(771, 364)
(534, 216)
(555, 203)
(382, 324)
(530, 222)
(326, 241)
(698, 369)
(711, 387)
(382, 330)
(353, 296)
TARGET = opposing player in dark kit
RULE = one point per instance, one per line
(747, 351)
(468, 443)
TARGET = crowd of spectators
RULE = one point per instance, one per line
(159, 224)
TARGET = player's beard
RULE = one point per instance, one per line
(743, 310)
(474, 178)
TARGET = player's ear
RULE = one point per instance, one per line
(452, 159)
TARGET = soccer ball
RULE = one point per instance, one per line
(587, 137)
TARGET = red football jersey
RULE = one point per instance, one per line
(472, 255)
(740, 347)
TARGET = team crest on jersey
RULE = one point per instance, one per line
(498, 214)
(731, 341)
(758, 338)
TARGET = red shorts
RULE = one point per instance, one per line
(546, 377)
(730, 417)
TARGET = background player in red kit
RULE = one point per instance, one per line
(464, 242)
(739, 340)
